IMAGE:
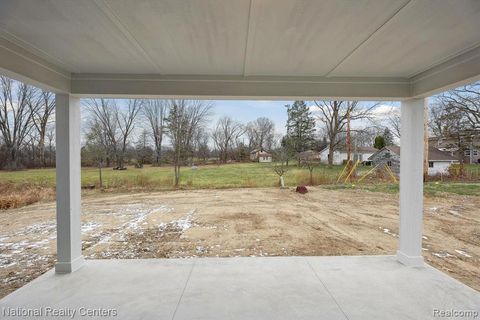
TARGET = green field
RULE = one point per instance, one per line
(210, 176)
(429, 189)
(237, 175)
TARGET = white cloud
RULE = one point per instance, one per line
(384, 110)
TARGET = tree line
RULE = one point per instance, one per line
(27, 133)
(179, 132)
(454, 116)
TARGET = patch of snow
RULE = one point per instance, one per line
(185, 223)
(89, 227)
(424, 238)
(42, 228)
(442, 254)
(463, 253)
(455, 213)
(105, 239)
(387, 231)
(141, 214)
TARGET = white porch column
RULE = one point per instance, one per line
(411, 182)
(69, 242)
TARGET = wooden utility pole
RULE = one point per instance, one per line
(349, 146)
(425, 140)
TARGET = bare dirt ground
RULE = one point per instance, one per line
(242, 222)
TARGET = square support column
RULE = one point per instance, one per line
(411, 182)
(69, 238)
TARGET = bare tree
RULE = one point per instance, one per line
(156, 111)
(42, 106)
(15, 117)
(465, 100)
(446, 121)
(142, 149)
(200, 144)
(96, 147)
(455, 117)
(260, 133)
(185, 118)
(364, 137)
(280, 167)
(104, 120)
(126, 124)
(226, 132)
(117, 124)
(394, 124)
(50, 135)
(334, 115)
(310, 165)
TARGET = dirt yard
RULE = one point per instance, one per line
(242, 222)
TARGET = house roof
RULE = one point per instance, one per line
(264, 153)
(357, 149)
(361, 150)
(260, 151)
(437, 155)
(433, 153)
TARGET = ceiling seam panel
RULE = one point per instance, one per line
(35, 59)
(109, 12)
(206, 78)
(7, 35)
(247, 46)
(368, 38)
(444, 60)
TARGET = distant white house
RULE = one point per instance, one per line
(260, 155)
(341, 155)
(438, 161)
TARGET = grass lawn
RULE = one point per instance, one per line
(24, 187)
(210, 176)
(429, 188)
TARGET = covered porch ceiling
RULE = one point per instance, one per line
(275, 49)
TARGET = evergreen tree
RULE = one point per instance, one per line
(300, 128)
(388, 136)
(379, 142)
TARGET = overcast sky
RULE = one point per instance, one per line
(248, 110)
(245, 111)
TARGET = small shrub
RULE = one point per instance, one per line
(456, 171)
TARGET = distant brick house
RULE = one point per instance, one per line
(260, 155)
(438, 161)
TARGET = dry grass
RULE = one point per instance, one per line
(18, 195)
(302, 178)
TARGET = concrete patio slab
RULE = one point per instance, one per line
(251, 288)
(351, 288)
(383, 288)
